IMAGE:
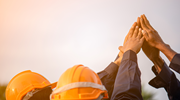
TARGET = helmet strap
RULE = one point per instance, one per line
(78, 85)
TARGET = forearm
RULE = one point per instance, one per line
(166, 50)
(119, 58)
(127, 83)
(118, 61)
(167, 79)
(108, 76)
(162, 78)
(158, 64)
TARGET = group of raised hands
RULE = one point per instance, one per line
(121, 78)
(143, 35)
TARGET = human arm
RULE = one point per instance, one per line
(127, 84)
(175, 63)
(129, 35)
(108, 75)
(164, 76)
(166, 79)
(152, 51)
(154, 39)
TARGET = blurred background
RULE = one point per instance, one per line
(49, 36)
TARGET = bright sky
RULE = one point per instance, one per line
(49, 36)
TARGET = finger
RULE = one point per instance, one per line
(145, 34)
(136, 32)
(138, 22)
(144, 27)
(140, 33)
(147, 22)
(132, 30)
(168, 45)
(121, 48)
(142, 39)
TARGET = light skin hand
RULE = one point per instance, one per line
(130, 32)
(138, 22)
(134, 40)
(154, 41)
(118, 61)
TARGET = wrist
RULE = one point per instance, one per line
(166, 50)
(158, 63)
(118, 61)
(161, 46)
(120, 53)
(130, 49)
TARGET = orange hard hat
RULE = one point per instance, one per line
(79, 83)
(25, 82)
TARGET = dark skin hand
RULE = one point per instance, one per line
(151, 52)
(154, 39)
(154, 55)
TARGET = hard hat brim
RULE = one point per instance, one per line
(53, 85)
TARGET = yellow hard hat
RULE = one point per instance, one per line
(25, 82)
(79, 83)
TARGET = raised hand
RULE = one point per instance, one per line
(133, 40)
(154, 40)
(151, 52)
(130, 32)
(118, 61)
(150, 34)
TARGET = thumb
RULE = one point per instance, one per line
(121, 48)
(145, 34)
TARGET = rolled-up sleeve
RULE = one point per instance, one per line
(167, 79)
(108, 76)
(127, 84)
(161, 79)
(175, 63)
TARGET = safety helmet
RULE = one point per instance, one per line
(79, 83)
(25, 82)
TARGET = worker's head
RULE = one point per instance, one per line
(79, 83)
(29, 85)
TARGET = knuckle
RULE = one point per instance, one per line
(147, 39)
(149, 31)
(153, 30)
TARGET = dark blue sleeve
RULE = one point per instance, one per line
(127, 84)
(175, 63)
(167, 79)
(108, 76)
